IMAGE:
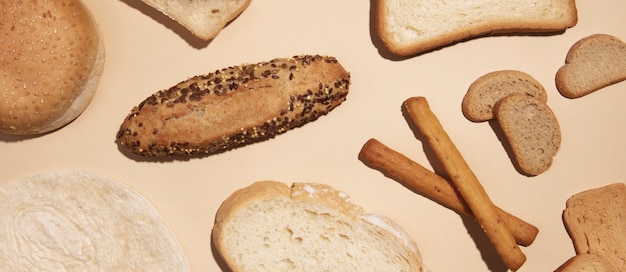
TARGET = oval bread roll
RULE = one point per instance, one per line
(235, 106)
(51, 60)
(76, 220)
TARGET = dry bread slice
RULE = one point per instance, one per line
(408, 27)
(592, 63)
(75, 220)
(532, 131)
(269, 226)
(205, 19)
(483, 94)
(595, 220)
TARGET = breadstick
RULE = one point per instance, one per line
(433, 186)
(466, 182)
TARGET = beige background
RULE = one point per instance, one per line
(147, 52)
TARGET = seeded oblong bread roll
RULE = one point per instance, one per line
(532, 131)
(592, 63)
(483, 94)
(235, 106)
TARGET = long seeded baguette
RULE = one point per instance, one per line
(235, 106)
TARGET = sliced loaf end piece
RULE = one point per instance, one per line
(483, 94)
(269, 226)
(592, 63)
(532, 131)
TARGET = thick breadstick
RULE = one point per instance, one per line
(433, 186)
(466, 182)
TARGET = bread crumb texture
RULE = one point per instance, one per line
(47, 52)
(308, 227)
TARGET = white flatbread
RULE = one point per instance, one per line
(81, 221)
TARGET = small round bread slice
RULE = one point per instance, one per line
(532, 131)
(487, 90)
(269, 226)
(592, 63)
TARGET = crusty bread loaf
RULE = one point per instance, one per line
(235, 106)
(532, 131)
(269, 226)
(585, 263)
(204, 19)
(596, 222)
(483, 94)
(76, 220)
(51, 60)
(408, 27)
(592, 63)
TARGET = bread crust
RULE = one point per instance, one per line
(592, 63)
(424, 36)
(47, 87)
(235, 106)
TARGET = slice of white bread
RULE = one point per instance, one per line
(592, 63)
(408, 27)
(585, 263)
(483, 94)
(269, 226)
(596, 222)
(205, 19)
(532, 131)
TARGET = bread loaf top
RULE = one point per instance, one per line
(235, 106)
(307, 227)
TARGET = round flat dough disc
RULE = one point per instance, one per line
(82, 221)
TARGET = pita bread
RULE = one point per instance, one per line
(81, 221)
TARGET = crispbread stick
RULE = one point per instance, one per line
(415, 176)
(466, 182)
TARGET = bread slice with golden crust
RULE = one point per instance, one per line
(483, 94)
(268, 226)
(205, 19)
(532, 131)
(235, 106)
(592, 63)
(408, 27)
(596, 222)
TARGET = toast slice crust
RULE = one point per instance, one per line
(483, 94)
(532, 130)
(595, 220)
(307, 227)
(592, 63)
(408, 27)
(205, 19)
